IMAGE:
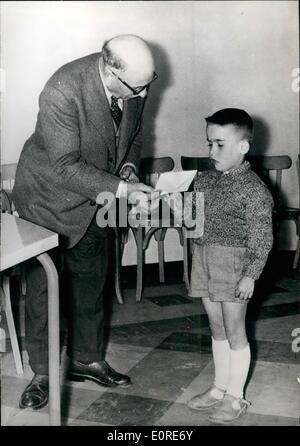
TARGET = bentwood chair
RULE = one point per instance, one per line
(297, 252)
(200, 164)
(264, 166)
(150, 169)
(8, 173)
(196, 163)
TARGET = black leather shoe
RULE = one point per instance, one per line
(35, 396)
(100, 372)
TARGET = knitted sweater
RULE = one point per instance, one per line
(237, 212)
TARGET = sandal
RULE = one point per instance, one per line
(207, 399)
(229, 410)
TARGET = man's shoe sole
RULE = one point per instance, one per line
(81, 378)
(37, 407)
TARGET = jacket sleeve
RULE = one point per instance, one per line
(58, 126)
(134, 153)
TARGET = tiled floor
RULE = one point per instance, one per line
(164, 344)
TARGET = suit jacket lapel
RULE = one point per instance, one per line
(98, 108)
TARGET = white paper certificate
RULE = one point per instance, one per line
(169, 182)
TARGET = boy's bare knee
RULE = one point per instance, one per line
(218, 331)
(237, 340)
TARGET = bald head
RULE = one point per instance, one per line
(132, 56)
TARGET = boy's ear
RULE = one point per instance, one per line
(245, 146)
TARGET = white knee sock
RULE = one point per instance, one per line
(221, 355)
(239, 368)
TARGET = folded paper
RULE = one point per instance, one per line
(170, 182)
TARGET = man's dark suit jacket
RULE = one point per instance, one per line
(72, 156)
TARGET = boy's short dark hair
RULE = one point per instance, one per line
(234, 116)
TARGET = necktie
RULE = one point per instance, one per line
(116, 112)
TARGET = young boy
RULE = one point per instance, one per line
(229, 257)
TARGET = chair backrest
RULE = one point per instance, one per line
(6, 204)
(156, 165)
(8, 173)
(299, 175)
(264, 165)
(150, 168)
(199, 163)
(196, 163)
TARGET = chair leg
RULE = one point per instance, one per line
(160, 237)
(23, 281)
(118, 266)
(161, 259)
(186, 260)
(140, 262)
(297, 255)
(184, 241)
(11, 326)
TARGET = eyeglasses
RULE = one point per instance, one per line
(135, 90)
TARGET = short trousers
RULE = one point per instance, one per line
(216, 271)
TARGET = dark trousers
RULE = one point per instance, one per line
(85, 269)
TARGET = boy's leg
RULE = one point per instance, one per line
(221, 357)
(220, 345)
(233, 405)
(234, 315)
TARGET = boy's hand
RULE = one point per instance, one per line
(245, 288)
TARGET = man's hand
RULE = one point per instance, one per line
(138, 187)
(128, 174)
(245, 288)
(140, 194)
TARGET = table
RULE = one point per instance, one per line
(20, 241)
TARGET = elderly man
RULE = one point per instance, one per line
(87, 141)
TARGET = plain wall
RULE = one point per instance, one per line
(209, 55)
